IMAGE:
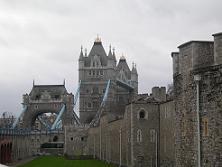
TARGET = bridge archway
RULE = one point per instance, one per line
(47, 99)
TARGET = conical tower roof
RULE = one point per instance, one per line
(98, 50)
(81, 55)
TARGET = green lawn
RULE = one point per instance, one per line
(53, 161)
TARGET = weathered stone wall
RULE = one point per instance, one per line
(167, 134)
(185, 107)
(75, 141)
(196, 58)
(14, 145)
(211, 115)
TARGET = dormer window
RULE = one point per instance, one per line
(57, 97)
(37, 97)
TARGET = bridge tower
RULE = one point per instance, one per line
(47, 99)
(95, 69)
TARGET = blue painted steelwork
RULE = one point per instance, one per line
(125, 84)
(59, 124)
(43, 122)
(77, 93)
(18, 118)
(102, 105)
(59, 116)
(76, 97)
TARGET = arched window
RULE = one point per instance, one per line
(139, 135)
(142, 114)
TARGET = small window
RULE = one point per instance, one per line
(142, 114)
(93, 64)
(205, 127)
(97, 72)
(165, 112)
(57, 97)
(71, 138)
(37, 97)
(93, 72)
(101, 72)
(139, 136)
(36, 106)
(82, 138)
(90, 73)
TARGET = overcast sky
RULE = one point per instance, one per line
(41, 39)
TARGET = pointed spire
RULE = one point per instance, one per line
(122, 58)
(81, 54)
(98, 40)
(85, 52)
(134, 70)
(114, 52)
(110, 55)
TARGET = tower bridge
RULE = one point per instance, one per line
(104, 86)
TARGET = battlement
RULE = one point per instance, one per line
(196, 54)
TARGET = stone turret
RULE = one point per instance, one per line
(134, 77)
(176, 66)
(111, 58)
(159, 93)
(81, 59)
(218, 48)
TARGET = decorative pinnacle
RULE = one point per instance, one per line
(113, 51)
(98, 39)
(85, 52)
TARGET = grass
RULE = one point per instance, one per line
(53, 161)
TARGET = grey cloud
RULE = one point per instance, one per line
(41, 39)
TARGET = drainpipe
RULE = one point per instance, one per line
(100, 141)
(197, 79)
(131, 124)
(94, 147)
(156, 135)
(120, 147)
(65, 140)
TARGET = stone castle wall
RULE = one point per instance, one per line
(200, 58)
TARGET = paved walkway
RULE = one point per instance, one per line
(21, 162)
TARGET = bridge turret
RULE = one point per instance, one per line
(111, 58)
(134, 78)
(25, 99)
(81, 59)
